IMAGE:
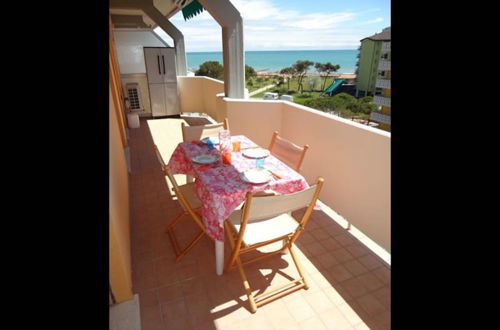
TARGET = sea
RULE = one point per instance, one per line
(274, 61)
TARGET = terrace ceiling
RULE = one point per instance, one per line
(128, 13)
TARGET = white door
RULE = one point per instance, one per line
(154, 66)
(168, 60)
(157, 96)
(171, 99)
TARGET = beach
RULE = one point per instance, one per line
(273, 61)
(311, 74)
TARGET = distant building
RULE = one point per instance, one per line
(374, 75)
(370, 55)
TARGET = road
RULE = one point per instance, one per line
(257, 91)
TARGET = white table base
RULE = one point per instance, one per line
(219, 257)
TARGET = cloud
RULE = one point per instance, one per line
(320, 21)
(373, 21)
(268, 26)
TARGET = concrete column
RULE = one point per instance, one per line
(172, 31)
(231, 22)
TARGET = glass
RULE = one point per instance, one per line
(225, 146)
(224, 140)
(226, 157)
(236, 146)
(259, 162)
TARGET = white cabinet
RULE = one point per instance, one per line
(162, 80)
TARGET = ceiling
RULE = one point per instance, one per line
(127, 13)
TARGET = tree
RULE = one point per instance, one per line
(301, 68)
(212, 69)
(288, 72)
(328, 68)
(249, 72)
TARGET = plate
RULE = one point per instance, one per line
(256, 176)
(256, 153)
(205, 159)
(213, 139)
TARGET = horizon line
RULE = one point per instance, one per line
(270, 50)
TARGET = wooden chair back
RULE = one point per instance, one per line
(288, 152)
(190, 133)
(258, 207)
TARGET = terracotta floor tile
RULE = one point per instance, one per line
(170, 293)
(361, 326)
(383, 273)
(144, 277)
(199, 309)
(306, 237)
(334, 319)
(355, 267)
(335, 296)
(370, 281)
(342, 255)
(300, 309)
(150, 316)
(354, 287)
(319, 234)
(149, 299)
(357, 250)
(382, 321)
(318, 301)
(327, 260)
(345, 239)
(371, 305)
(370, 262)
(340, 273)
(352, 312)
(331, 244)
(278, 315)
(315, 248)
(313, 323)
(175, 315)
(384, 296)
(170, 297)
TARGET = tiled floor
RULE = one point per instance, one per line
(349, 284)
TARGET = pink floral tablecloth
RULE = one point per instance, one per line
(219, 186)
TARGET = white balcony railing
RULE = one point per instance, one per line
(386, 46)
(354, 159)
(384, 65)
(383, 83)
(381, 100)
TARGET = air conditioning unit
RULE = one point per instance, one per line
(134, 97)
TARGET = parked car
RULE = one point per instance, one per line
(270, 96)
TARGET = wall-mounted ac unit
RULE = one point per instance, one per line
(134, 97)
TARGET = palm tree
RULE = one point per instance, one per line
(288, 72)
(301, 68)
(328, 68)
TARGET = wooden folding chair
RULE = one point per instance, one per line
(190, 204)
(190, 133)
(288, 152)
(265, 220)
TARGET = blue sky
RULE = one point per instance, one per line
(290, 25)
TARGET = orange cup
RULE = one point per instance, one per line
(236, 146)
(226, 157)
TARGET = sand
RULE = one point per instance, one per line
(311, 74)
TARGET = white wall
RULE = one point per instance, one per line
(129, 48)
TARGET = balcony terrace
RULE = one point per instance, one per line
(349, 275)
(381, 100)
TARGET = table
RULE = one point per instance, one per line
(220, 188)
